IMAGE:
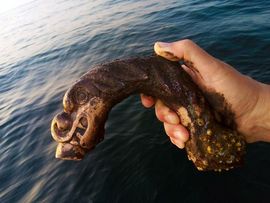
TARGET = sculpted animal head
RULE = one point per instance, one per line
(81, 125)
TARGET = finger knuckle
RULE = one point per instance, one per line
(187, 43)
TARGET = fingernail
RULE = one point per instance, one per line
(172, 119)
(181, 145)
(163, 46)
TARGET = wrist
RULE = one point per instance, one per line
(260, 128)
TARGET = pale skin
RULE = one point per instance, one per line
(248, 98)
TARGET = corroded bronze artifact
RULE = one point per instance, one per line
(87, 103)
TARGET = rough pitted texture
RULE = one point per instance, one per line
(87, 103)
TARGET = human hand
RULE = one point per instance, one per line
(248, 99)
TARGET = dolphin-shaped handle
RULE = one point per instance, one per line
(212, 146)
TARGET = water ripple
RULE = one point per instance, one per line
(46, 46)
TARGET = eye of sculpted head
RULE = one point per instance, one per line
(80, 96)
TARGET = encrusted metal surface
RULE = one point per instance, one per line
(211, 146)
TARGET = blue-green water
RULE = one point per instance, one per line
(46, 45)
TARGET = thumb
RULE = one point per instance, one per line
(201, 66)
(187, 51)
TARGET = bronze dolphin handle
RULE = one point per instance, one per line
(87, 103)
